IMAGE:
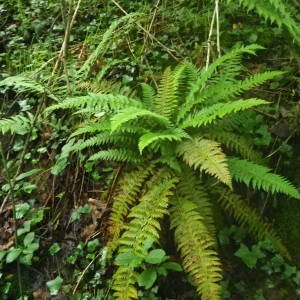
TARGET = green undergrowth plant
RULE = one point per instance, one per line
(176, 165)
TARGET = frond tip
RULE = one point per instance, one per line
(260, 177)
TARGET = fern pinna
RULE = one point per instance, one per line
(167, 139)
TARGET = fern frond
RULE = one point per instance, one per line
(190, 188)
(133, 113)
(231, 58)
(166, 100)
(118, 155)
(185, 75)
(124, 279)
(145, 216)
(250, 220)
(105, 43)
(196, 247)
(24, 84)
(226, 91)
(277, 11)
(260, 177)
(144, 224)
(104, 138)
(17, 124)
(208, 114)
(172, 134)
(92, 127)
(233, 142)
(207, 156)
(130, 187)
(105, 102)
(148, 95)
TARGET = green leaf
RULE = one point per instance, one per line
(2, 254)
(147, 278)
(28, 174)
(21, 210)
(249, 257)
(29, 237)
(156, 256)
(54, 285)
(25, 229)
(128, 258)
(172, 266)
(13, 254)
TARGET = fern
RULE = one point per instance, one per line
(16, 125)
(249, 218)
(173, 134)
(164, 140)
(232, 59)
(144, 224)
(277, 11)
(127, 195)
(205, 155)
(166, 99)
(233, 142)
(105, 102)
(209, 114)
(25, 84)
(196, 246)
(225, 91)
(105, 43)
(132, 113)
(119, 155)
(260, 177)
(148, 95)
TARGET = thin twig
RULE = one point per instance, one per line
(168, 50)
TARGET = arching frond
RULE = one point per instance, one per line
(210, 113)
(129, 189)
(196, 245)
(190, 188)
(260, 177)
(172, 134)
(233, 142)
(120, 155)
(205, 155)
(250, 220)
(105, 102)
(278, 11)
(144, 224)
(195, 94)
(228, 90)
(133, 113)
(16, 125)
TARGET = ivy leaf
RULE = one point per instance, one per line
(172, 266)
(54, 285)
(13, 254)
(249, 257)
(28, 238)
(147, 278)
(54, 248)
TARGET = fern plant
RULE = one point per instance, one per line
(175, 154)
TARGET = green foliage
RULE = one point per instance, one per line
(169, 128)
(277, 11)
